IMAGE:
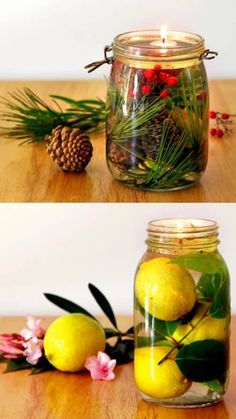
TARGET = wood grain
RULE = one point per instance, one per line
(56, 395)
(27, 173)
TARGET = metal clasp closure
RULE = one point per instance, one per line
(208, 55)
(107, 60)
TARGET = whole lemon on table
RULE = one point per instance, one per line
(70, 339)
(165, 290)
(160, 381)
(207, 328)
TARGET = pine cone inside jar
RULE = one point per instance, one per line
(116, 154)
(69, 148)
(150, 142)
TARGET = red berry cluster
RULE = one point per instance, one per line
(154, 77)
(223, 123)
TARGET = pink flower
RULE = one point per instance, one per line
(11, 345)
(34, 330)
(33, 350)
(101, 367)
(28, 344)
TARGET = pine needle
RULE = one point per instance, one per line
(31, 119)
(123, 126)
(169, 167)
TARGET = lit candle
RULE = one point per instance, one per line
(164, 42)
(182, 224)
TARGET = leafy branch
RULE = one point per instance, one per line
(33, 119)
(169, 166)
(123, 349)
(183, 338)
(124, 125)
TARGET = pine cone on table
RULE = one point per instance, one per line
(69, 148)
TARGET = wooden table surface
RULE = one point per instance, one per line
(57, 395)
(27, 173)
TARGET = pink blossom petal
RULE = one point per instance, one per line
(101, 367)
(26, 334)
(10, 349)
(91, 362)
(33, 323)
(11, 356)
(41, 332)
(111, 364)
(33, 351)
(103, 359)
(33, 330)
(109, 377)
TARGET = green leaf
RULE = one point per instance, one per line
(17, 364)
(214, 385)
(130, 330)
(165, 328)
(162, 328)
(122, 351)
(216, 288)
(110, 333)
(103, 303)
(202, 360)
(67, 305)
(41, 366)
(200, 262)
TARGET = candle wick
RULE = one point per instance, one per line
(163, 40)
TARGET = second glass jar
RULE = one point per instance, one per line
(182, 315)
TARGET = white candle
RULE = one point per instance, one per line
(164, 42)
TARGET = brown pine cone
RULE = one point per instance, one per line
(116, 154)
(69, 148)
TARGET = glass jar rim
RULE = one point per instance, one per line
(175, 226)
(128, 45)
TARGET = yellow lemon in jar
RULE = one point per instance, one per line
(165, 290)
(70, 339)
(203, 327)
(160, 381)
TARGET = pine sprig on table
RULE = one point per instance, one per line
(33, 119)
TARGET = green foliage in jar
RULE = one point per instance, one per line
(157, 132)
(201, 337)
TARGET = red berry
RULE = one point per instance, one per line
(163, 77)
(213, 131)
(157, 67)
(146, 90)
(212, 114)
(149, 74)
(225, 116)
(164, 93)
(219, 132)
(172, 81)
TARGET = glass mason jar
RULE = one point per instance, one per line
(182, 315)
(157, 110)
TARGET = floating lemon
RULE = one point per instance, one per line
(160, 381)
(208, 328)
(70, 339)
(165, 290)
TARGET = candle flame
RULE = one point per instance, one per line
(164, 33)
(180, 224)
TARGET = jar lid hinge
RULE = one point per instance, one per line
(208, 55)
(107, 60)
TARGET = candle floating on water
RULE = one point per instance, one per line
(164, 42)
